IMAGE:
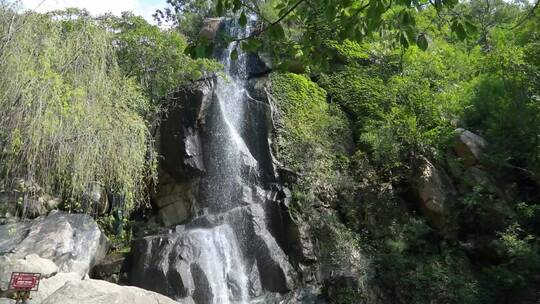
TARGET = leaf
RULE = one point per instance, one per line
(280, 6)
(374, 13)
(438, 5)
(422, 42)
(450, 3)
(470, 28)
(457, 27)
(251, 45)
(234, 54)
(219, 8)
(243, 19)
(200, 50)
(403, 40)
(276, 32)
(407, 18)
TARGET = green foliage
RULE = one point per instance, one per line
(296, 30)
(120, 239)
(313, 129)
(395, 114)
(155, 57)
(505, 104)
(68, 117)
(405, 103)
(186, 15)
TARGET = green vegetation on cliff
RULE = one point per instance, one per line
(79, 97)
(403, 107)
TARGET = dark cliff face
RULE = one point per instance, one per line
(180, 133)
(219, 186)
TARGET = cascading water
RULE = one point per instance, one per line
(226, 249)
(219, 256)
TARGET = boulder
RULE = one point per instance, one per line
(110, 269)
(476, 176)
(74, 242)
(210, 28)
(49, 285)
(174, 200)
(469, 146)
(434, 190)
(6, 301)
(31, 263)
(101, 292)
(257, 66)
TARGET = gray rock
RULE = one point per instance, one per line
(435, 191)
(477, 177)
(110, 269)
(26, 199)
(210, 28)
(31, 263)
(176, 264)
(101, 292)
(50, 285)
(73, 241)
(174, 199)
(180, 133)
(469, 146)
(6, 301)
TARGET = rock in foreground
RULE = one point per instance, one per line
(72, 241)
(101, 292)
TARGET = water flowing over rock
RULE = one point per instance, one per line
(216, 152)
(72, 241)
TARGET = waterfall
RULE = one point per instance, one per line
(229, 246)
(219, 256)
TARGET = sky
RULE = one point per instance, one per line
(144, 8)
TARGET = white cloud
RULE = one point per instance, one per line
(95, 7)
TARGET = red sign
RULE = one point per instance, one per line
(25, 281)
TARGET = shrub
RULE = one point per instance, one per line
(68, 117)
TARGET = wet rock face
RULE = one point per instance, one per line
(72, 241)
(180, 264)
(180, 135)
(174, 200)
(210, 28)
(218, 180)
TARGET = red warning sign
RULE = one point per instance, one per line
(25, 281)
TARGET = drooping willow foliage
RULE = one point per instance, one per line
(68, 117)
